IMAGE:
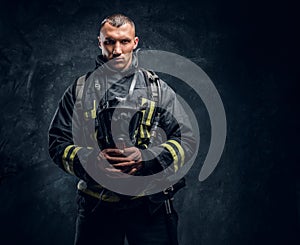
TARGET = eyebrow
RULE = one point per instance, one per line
(113, 39)
(109, 38)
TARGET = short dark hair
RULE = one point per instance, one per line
(117, 20)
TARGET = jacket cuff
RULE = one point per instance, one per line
(151, 166)
(87, 156)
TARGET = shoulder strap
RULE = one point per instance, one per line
(153, 83)
(79, 91)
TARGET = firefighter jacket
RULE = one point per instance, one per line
(174, 143)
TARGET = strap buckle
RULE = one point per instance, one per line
(168, 190)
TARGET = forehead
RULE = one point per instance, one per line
(124, 31)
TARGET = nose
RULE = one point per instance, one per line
(117, 49)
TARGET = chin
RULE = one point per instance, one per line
(118, 67)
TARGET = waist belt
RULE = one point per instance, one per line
(109, 196)
(95, 191)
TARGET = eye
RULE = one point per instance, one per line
(109, 42)
(125, 41)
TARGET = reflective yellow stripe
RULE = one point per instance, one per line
(144, 131)
(144, 100)
(71, 159)
(151, 110)
(148, 112)
(147, 115)
(173, 153)
(141, 126)
(66, 151)
(180, 149)
(93, 112)
(147, 132)
(74, 153)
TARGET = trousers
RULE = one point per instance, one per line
(103, 223)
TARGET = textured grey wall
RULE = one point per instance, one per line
(244, 48)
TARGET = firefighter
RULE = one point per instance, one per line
(155, 141)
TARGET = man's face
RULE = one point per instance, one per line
(117, 44)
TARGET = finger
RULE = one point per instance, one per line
(133, 170)
(113, 170)
(124, 164)
(103, 155)
(133, 153)
(131, 150)
(111, 155)
(112, 151)
(135, 156)
(118, 159)
(128, 169)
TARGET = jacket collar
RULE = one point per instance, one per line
(101, 61)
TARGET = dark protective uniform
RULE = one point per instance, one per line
(105, 217)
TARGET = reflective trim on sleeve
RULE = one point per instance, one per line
(66, 151)
(71, 159)
(72, 156)
(173, 153)
(68, 158)
(180, 149)
(65, 162)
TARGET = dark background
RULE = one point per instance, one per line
(248, 48)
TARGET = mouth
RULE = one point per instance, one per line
(118, 59)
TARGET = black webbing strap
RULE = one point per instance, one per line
(153, 84)
(79, 91)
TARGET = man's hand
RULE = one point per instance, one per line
(127, 161)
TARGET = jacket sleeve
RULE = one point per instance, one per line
(180, 143)
(62, 149)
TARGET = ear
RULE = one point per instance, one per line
(99, 42)
(136, 42)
